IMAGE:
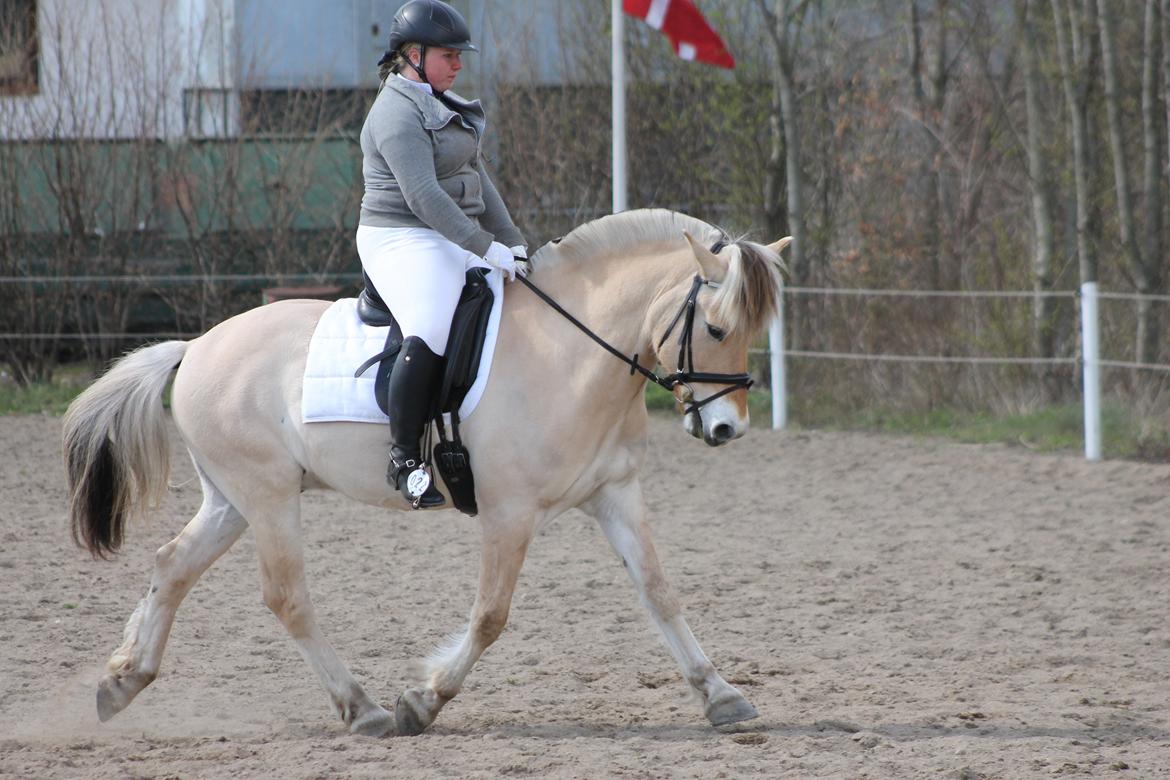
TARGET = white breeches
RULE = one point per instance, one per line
(419, 275)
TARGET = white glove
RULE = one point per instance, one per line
(523, 267)
(500, 256)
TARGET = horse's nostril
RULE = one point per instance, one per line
(723, 432)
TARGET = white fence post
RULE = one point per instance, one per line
(1091, 354)
(779, 375)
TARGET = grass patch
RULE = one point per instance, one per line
(41, 398)
(1051, 429)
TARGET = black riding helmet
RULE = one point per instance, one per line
(430, 23)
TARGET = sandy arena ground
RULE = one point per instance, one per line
(895, 608)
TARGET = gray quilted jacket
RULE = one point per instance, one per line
(423, 167)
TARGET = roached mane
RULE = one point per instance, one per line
(748, 296)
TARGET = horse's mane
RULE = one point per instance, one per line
(617, 233)
(749, 295)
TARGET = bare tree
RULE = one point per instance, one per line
(1043, 305)
(96, 191)
(784, 25)
(929, 83)
(85, 180)
(1164, 29)
(1149, 333)
(785, 165)
(1144, 267)
(906, 143)
(1076, 55)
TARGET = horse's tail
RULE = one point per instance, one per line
(115, 442)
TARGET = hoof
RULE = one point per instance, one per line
(115, 692)
(406, 719)
(107, 703)
(375, 723)
(730, 709)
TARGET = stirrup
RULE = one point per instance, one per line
(412, 479)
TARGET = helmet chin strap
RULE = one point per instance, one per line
(419, 68)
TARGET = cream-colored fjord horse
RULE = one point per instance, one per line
(562, 424)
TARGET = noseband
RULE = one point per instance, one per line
(684, 373)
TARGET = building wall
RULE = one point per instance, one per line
(113, 69)
(288, 44)
(108, 69)
(534, 42)
(175, 68)
(205, 86)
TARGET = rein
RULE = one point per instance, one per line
(685, 372)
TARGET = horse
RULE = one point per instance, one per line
(561, 424)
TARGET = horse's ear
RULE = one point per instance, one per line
(710, 266)
(779, 246)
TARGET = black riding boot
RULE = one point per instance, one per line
(411, 392)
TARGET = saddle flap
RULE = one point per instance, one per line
(464, 345)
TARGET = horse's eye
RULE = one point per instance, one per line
(716, 333)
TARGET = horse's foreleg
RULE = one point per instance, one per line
(502, 556)
(620, 510)
(178, 565)
(286, 593)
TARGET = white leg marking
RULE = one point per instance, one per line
(620, 510)
(448, 666)
(178, 566)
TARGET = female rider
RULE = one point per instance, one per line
(429, 213)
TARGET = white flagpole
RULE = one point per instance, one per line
(618, 59)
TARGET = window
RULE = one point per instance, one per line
(284, 112)
(19, 51)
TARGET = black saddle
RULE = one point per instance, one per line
(460, 366)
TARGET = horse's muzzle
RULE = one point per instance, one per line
(712, 427)
(720, 434)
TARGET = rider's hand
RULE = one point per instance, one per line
(523, 267)
(500, 256)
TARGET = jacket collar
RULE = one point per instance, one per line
(438, 112)
(424, 86)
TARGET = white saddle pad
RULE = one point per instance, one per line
(342, 342)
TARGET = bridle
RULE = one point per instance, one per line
(684, 373)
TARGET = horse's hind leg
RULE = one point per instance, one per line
(178, 565)
(620, 510)
(276, 526)
(504, 548)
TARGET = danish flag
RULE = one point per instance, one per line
(689, 33)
